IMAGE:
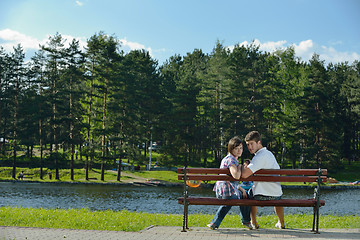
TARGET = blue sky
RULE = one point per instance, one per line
(330, 28)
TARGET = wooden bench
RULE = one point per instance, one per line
(25, 175)
(265, 175)
(28, 175)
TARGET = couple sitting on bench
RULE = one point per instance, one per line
(263, 159)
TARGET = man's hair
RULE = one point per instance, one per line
(253, 136)
(233, 143)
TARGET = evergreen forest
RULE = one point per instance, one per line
(107, 105)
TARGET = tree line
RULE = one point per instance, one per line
(109, 105)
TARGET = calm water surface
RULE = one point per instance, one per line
(152, 199)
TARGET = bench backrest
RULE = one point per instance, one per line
(264, 175)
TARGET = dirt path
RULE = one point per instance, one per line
(131, 178)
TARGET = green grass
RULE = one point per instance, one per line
(94, 174)
(135, 221)
(347, 173)
(169, 176)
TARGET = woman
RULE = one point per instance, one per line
(228, 189)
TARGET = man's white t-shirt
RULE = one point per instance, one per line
(264, 159)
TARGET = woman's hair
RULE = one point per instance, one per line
(233, 143)
(253, 136)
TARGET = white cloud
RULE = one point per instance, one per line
(266, 46)
(271, 46)
(305, 49)
(135, 46)
(329, 54)
(304, 46)
(10, 38)
(80, 4)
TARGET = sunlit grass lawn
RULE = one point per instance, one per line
(135, 221)
(94, 175)
(169, 176)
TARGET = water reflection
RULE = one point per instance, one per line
(152, 199)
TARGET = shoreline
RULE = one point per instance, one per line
(157, 183)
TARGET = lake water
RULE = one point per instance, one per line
(153, 199)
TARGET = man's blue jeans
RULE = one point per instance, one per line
(223, 210)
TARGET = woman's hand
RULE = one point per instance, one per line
(244, 193)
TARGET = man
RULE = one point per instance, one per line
(263, 159)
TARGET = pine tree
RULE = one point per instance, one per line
(103, 50)
(42, 102)
(315, 113)
(4, 70)
(217, 114)
(18, 78)
(54, 50)
(73, 76)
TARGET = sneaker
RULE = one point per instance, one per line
(212, 226)
(279, 226)
(255, 226)
(248, 225)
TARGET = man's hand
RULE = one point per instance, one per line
(245, 172)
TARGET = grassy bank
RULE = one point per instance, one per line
(134, 221)
(33, 174)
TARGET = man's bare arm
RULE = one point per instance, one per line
(245, 172)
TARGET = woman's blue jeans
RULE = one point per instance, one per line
(223, 210)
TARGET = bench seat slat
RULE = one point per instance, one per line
(248, 202)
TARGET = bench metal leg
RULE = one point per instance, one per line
(314, 220)
(185, 217)
(317, 220)
(184, 221)
(186, 205)
(315, 227)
